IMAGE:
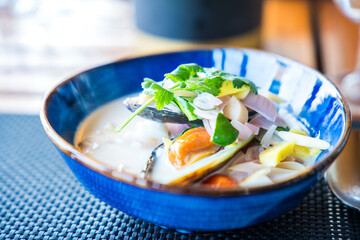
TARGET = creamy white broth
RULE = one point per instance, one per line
(128, 150)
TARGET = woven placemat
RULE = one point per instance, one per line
(41, 199)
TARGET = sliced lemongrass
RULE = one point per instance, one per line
(257, 174)
(184, 93)
(281, 174)
(250, 167)
(257, 179)
(291, 166)
(302, 140)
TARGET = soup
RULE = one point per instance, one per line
(227, 133)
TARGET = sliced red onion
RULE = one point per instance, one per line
(206, 114)
(239, 158)
(239, 176)
(206, 101)
(252, 153)
(261, 105)
(261, 121)
(208, 127)
(265, 141)
(225, 100)
(280, 122)
(176, 128)
(244, 131)
(253, 128)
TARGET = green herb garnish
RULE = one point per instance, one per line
(194, 78)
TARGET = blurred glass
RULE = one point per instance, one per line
(350, 84)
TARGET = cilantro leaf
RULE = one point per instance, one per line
(162, 96)
(184, 72)
(238, 82)
(214, 84)
(147, 83)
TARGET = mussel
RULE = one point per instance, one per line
(160, 168)
(164, 115)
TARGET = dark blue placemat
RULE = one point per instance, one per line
(41, 199)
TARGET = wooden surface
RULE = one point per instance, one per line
(40, 46)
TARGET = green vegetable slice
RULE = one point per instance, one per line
(185, 107)
(224, 133)
(184, 72)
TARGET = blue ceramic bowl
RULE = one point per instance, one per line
(310, 96)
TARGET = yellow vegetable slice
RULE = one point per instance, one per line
(275, 154)
(228, 88)
(301, 151)
(244, 91)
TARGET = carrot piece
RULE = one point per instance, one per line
(193, 141)
(220, 181)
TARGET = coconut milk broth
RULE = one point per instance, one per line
(130, 149)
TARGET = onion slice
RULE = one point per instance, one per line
(280, 122)
(265, 141)
(262, 122)
(253, 128)
(244, 131)
(176, 128)
(208, 127)
(262, 105)
(206, 101)
(225, 100)
(206, 114)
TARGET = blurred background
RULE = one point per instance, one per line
(42, 42)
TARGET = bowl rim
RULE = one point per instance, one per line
(127, 178)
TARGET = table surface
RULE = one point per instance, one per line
(42, 42)
(40, 198)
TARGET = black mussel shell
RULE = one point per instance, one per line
(163, 115)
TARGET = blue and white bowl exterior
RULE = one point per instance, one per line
(309, 95)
